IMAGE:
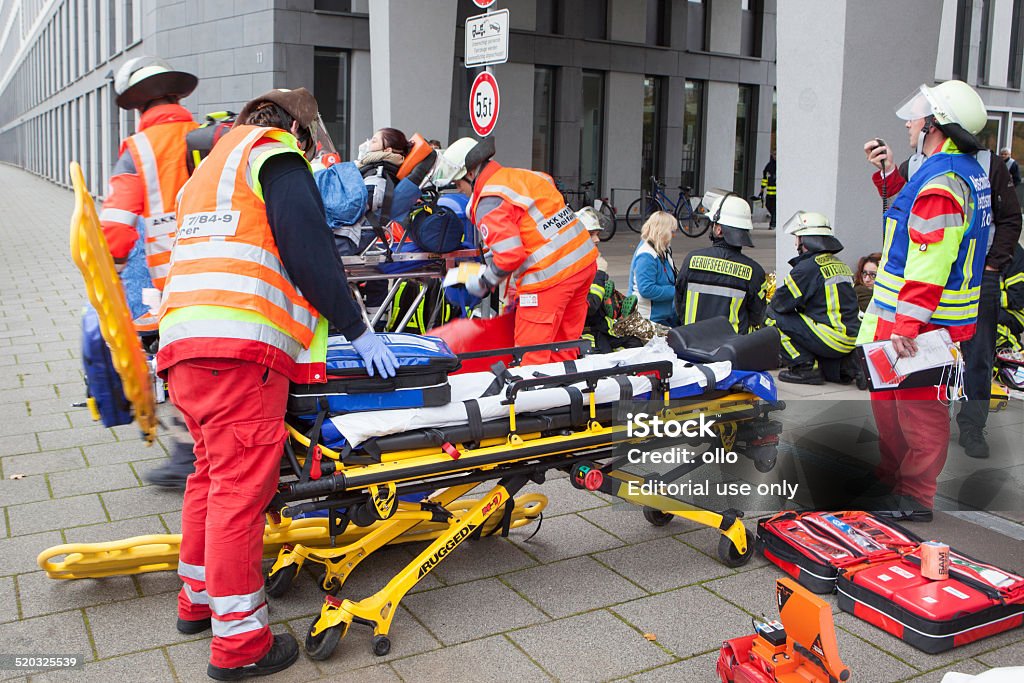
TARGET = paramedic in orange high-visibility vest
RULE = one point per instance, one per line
(254, 276)
(138, 212)
(532, 237)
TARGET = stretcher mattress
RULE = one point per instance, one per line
(479, 389)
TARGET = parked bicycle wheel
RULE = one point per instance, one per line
(691, 223)
(639, 211)
(608, 220)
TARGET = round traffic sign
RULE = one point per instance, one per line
(483, 103)
(483, 4)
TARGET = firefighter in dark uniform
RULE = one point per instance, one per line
(721, 280)
(815, 308)
(1011, 303)
(768, 190)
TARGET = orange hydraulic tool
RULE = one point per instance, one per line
(798, 648)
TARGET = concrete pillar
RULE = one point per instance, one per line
(726, 19)
(947, 41)
(412, 56)
(513, 134)
(627, 20)
(361, 100)
(624, 125)
(834, 94)
(672, 133)
(720, 134)
(999, 43)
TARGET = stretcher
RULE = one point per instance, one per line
(360, 485)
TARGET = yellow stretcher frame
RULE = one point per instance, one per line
(91, 254)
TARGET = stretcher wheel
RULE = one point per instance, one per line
(657, 517)
(764, 457)
(381, 645)
(731, 557)
(321, 646)
(278, 583)
(328, 584)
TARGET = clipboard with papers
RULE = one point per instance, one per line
(935, 363)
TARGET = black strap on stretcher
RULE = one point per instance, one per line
(708, 375)
(314, 440)
(474, 420)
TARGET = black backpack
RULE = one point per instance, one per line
(436, 229)
(200, 142)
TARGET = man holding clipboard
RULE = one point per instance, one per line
(937, 232)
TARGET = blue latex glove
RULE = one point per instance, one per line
(478, 286)
(375, 354)
(459, 296)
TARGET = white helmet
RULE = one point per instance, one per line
(147, 78)
(952, 102)
(590, 219)
(732, 213)
(462, 155)
(814, 230)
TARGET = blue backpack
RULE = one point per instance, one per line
(101, 379)
(344, 193)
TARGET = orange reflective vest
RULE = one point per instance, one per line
(159, 156)
(555, 243)
(228, 294)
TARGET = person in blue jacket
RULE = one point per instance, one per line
(652, 275)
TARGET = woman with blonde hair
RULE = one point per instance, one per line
(652, 275)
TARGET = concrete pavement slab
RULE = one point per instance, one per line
(966, 666)
(8, 600)
(699, 668)
(18, 554)
(122, 451)
(382, 673)
(563, 498)
(562, 537)
(114, 531)
(754, 591)
(579, 584)
(138, 502)
(869, 663)
(39, 463)
(30, 489)
(93, 480)
(626, 521)
(680, 619)
(1010, 655)
(135, 625)
(143, 667)
(54, 634)
(662, 564)
(35, 423)
(355, 651)
(479, 559)
(15, 445)
(604, 646)
(154, 583)
(455, 614)
(493, 658)
(55, 514)
(42, 595)
(81, 435)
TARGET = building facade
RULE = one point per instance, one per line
(609, 91)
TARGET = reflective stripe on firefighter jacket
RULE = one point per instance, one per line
(768, 179)
(547, 246)
(158, 154)
(819, 288)
(939, 254)
(721, 281)
(228, 293)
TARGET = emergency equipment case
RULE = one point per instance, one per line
(421, 379)
(875, 566)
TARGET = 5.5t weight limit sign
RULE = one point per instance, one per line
(483, 103)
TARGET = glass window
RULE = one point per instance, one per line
(986, 43)
(991, 135)
(962, 39)
(1017, 144)
(592, 133)
(693, 125)
(1016, 45)
(113, 47)
(547, 16)
(333, 5)
(744, 120)
(595, 20)
(462, 81)
(543, 118)
(658, 22)
(696, 26)
(650, 147)
(752, 25)
(331, 89)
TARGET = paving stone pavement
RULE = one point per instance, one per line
(574, 603)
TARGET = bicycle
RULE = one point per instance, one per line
(691, 223)
(577, 199)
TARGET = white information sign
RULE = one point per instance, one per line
(487, 39)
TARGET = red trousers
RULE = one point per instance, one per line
(558, 316)
(913, 433)
(235, 412)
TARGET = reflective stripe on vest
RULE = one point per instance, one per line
(159, 156)
(556, 243)
(226, 262)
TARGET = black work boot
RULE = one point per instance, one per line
(973, 441)
(174, 472)
(906, 509)
(283, 654)
(805, 373)
(192, 626)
